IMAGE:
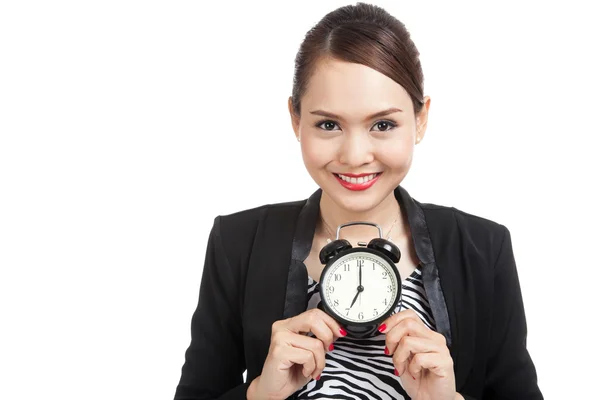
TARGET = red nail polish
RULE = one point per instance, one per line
(343, 332)
(386, 351)
(414, 378)
(318, 377)
(331, 347)
(382, 328)
(395, 372)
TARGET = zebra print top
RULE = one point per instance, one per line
(358, 368)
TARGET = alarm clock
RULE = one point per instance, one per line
(360, 286)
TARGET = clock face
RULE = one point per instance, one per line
(360, 287)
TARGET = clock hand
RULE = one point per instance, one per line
(360, 275)
(358, 291)
(355, 297)
(360, 288)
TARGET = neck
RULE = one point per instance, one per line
(384, 214)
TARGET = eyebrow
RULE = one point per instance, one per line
(376, 115)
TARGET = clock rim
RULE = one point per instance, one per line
(342, 320)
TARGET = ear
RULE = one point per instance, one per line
(422, 118)
(295, 119)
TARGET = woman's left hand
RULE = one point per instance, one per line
(421, 357)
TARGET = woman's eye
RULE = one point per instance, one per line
(326, 125)
(385, 126)
(382, 126)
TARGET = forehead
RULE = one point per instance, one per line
(353, 88)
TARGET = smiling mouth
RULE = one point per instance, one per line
(358, 179)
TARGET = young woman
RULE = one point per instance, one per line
(459, 331)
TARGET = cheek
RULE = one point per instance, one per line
(315, 154)
(397, 156)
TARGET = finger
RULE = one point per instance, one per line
(412, 346)
(314, 345)
(307, 321)
(322, 331)
(282, 341)
(289, 355)
(406, 328)
(395, 319)
(437, 363)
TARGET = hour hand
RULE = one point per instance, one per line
(355, 297)
(358, 291)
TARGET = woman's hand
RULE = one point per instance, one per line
(294, 358)
(421, 357)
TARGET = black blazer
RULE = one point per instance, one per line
(254, 275)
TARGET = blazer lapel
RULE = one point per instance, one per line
(297, 281)
(424, 250)
(446, 283)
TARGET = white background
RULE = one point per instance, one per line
(126, 127)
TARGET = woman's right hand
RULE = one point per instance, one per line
(295, 358)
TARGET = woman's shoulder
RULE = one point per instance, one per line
(444, 220)
(256, 214)
(460, 236)
(438, 211)
(245, 223)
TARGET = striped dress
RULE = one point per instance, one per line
(358, 368)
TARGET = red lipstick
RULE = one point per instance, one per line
(357, 186)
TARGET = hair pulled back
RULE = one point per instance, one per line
(363, 34)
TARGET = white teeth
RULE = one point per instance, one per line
(362, 179)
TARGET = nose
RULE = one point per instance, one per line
(356, 150)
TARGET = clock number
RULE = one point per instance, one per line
(373, 266)
(337, 277)
(360, 263)
(384, 274)
(385, 301)
(346, 267)
(336, 302)
(331, 289)
(347, 311)
(361, 315)
(389, 288)
(375, 312)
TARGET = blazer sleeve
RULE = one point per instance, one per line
(214, 361)
(510, 372)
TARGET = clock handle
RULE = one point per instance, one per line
(337, 234)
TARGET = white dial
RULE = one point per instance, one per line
(360, 287)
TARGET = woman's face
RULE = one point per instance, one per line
(343, 140)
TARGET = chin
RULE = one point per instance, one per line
(354, 206)
(359, 201)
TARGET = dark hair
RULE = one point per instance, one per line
(364, 34)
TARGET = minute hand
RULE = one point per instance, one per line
(360, 275)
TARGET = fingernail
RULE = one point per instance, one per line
(343, 332)
(382, 328)
(386, 351)
(318, 377)
(414, 378)
(395, 372)
(331, 347)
